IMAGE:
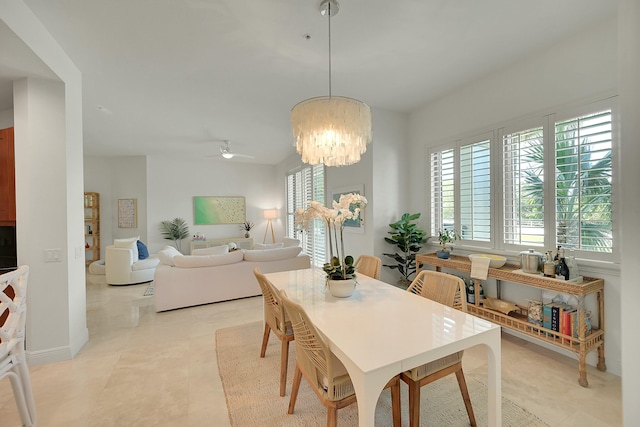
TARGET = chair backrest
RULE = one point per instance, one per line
(368, 265)
(440, 287)
(274, 312)
(312, 351)
(13, 308)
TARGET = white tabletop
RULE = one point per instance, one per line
(382, 330)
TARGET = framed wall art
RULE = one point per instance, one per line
(209, 210)
(127, 213)
(352, 225)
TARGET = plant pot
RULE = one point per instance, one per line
(247, 235)
(341, 288)
(442, 254)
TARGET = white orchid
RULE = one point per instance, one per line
(348, 207)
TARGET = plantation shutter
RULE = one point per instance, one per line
(475, 191)
(304, 185)
(523, 182)
(583, 182)
(442, 191)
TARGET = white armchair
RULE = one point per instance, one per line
(122, 266)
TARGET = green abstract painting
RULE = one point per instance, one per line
(218, 210)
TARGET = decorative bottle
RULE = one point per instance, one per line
(471, 292)
(562, 271)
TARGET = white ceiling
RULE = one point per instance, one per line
(178, 76)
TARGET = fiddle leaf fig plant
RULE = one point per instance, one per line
(408, 239)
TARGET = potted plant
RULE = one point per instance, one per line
(408, 238)
(340, 269)
(247, 226)
(175, 230)
(446, 238)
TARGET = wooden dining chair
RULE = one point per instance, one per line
(368, 265)
(13, 362)
(275, 319)
(448, 290)
(324, 372)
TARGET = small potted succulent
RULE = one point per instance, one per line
(446, 238)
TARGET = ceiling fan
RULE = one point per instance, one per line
(228, 153)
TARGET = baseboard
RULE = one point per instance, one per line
(57, 354)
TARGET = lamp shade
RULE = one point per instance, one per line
(333, 130)
(270, 213)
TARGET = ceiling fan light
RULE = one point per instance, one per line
(332, 130)
(227, 155)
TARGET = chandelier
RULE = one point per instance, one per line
(333, 130)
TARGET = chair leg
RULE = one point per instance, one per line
(265, 339)
(294, 390)
(332, 416)
(395, 402)
(414, 403)
(284, 361)
(465, 396)
(18, 394)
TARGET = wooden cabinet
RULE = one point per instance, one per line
(92, 227)
(581, 345)
(7, 178)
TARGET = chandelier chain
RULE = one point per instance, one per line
(329, 13)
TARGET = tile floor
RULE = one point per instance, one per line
(142, 368)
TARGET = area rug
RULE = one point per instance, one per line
(251, 391)
(149, 290)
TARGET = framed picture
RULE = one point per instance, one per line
(352, 225)
(218, 210)
(127, 213)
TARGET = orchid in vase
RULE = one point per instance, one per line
(348, 207)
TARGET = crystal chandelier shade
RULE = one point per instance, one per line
(333, 130)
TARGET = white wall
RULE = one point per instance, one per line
(6, 118)
(48, 141)
(629, 60)
(117, 178)
(580, 68)
(172, 183)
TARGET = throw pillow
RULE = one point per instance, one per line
(213, 250)
(271, 254)
(289, 242)
(268, 245)
(143, 252)
(129, 243)
(167, 255)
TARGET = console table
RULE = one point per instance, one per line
(242, 242)
(517, 321)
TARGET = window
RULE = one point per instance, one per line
(475, 191)
(442, 191)
(554, 187)
(304, 185)
(523, 181)
(583, 182)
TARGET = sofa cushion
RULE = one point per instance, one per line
(271, 254)
(192, 261)
(268, 245)
(213, 250)
(289, 242)
(167, 254)
(143, 252)
(130, 243)
(145, 264)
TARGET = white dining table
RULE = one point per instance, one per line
(381, 331)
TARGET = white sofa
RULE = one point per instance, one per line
(122, 266)
(188, 280)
